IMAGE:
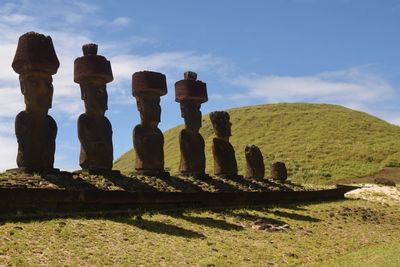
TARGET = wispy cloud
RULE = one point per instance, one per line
(120, 21)
(172, 63)
(356, 88)
(344, 86)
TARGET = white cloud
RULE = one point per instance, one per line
(120, 21)
(356, 88)
(8, 152)
(173, 64)
(345, 87)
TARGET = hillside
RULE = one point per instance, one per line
(318, 142)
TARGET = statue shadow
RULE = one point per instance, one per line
(279, 213)
(182, 185)
(280, 186)
(159, 227)
(137, 221)
(295, 216)
(219, 184)
(248, 183)
(254, 218)
(129, 183)
(207, 221)
(65, 180)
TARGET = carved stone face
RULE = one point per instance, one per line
(190, 112)
(37, 89)
(221, 124)
(150, 109)
(94, 93)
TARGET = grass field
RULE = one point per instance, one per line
(318, 142)
(344, 233)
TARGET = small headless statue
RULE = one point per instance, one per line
(93, 72)
(225, 164)
(191, 93)
(36, 61)
(148, 140)
(255, 162)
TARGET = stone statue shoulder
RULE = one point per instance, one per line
(83, 119)
(189, 136)
(220, 143)
(86, 119)
(25, 119)
(140, 130)
(51, 122)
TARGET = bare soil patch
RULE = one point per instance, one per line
(392, 173)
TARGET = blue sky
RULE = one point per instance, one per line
(248, 52)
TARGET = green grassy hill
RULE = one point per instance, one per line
(318, 142)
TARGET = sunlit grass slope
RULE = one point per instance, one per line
(345, 233)
(318, 142)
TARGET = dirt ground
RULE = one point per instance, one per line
(388, 173)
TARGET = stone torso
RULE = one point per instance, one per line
(192, 152)
(95, 135)
(149, 148)
(224, 158)
(36, 140)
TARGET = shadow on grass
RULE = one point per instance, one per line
(255, 218)
(295, 216)
(247, 183)
(285, 214)
(66, 181)
(220, 185)
(130, 184)
(159, 227)
(207, 221)
(182, 185)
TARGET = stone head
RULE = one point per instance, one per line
(37, 88)
(94, 94)
(191, 113)
(252, 151)
(221, 124)
(35, 61)
(149, 108)
(93, 72)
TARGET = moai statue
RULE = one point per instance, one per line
(93, 72)
(191, 93)
(278, 171)
(148, 140)
(225, 164)
(36, 61)
(254, 162)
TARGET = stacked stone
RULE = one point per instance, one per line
(92, 72)
(191, 93)
(36, 61)
(148, 140)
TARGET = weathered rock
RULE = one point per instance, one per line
(35, 61)
(278, 171)
(190, 93)
(148, 140)
(93, 72)
(225, 164)
(254, 162)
